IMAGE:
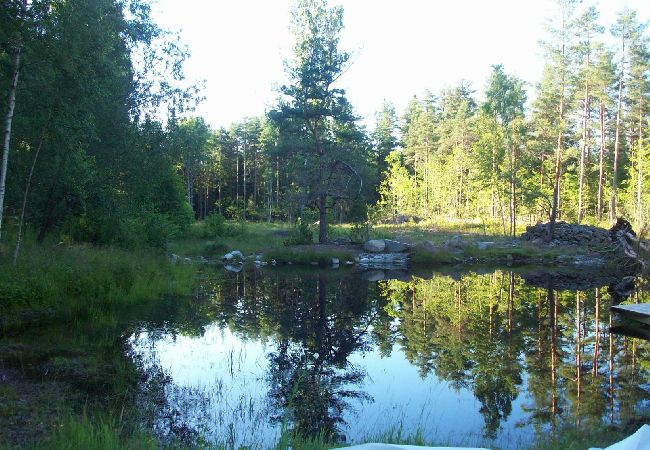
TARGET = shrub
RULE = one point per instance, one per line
(360, 232)
(300, 234)
(215, 225)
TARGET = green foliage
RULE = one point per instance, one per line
(317, 126)
(360, 232)
(432, 258)
(84, 432)
(76, 280)
(300, 234)
(105, 172)
(215, 225)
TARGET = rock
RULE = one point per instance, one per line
(232, 256)
(335, 261)
(175, 259)
(455, 241)
(400, 219)
(383, 260)
(591, 261)
(374, 246)
(455, 244)
(395, 246)
(234, 267)
(566, 234)
(427, 246)
(484, 245)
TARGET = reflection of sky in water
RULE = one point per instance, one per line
(218, 367)
(430, 405)
(229, 375)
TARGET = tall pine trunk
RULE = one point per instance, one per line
(513, 192)
(244, 177)
(322, 216)
(639, 179)
(601, 162)
(558, 169)
(585, 139)
(617, 139)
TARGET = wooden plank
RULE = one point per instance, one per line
(639, 311)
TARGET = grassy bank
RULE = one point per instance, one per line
(247, 237)
(75, 281)
(82, 432)
(472, 244)
(63, 312)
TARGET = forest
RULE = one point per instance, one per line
(118, 200)
(100, 144)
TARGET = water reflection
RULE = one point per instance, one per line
(467, 359)
(320, 324)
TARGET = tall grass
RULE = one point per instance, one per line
(83, 433)
(247, 237)
(76, 280)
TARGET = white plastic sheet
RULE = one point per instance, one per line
(404, 447)
(637, 441)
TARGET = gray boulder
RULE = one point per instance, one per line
(234, 267)
(484, 245)
(375, 246)
(427, 246)
(455, 243)
(395, 246)
(235, 255)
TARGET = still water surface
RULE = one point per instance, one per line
(462, 359)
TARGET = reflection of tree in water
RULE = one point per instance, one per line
(464, 332)
(310, 376)
(478, 332)
(315, 321)
(481, 332)
(310, 393)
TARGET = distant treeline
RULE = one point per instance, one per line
(99, 169)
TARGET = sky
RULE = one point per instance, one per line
(399, 48)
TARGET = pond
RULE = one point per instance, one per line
(485, 357)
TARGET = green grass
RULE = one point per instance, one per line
(247, 237)
(82, 432)
(74, 280)
(572, 438)
(432, 258)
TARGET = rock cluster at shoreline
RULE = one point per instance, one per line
(568, 234)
